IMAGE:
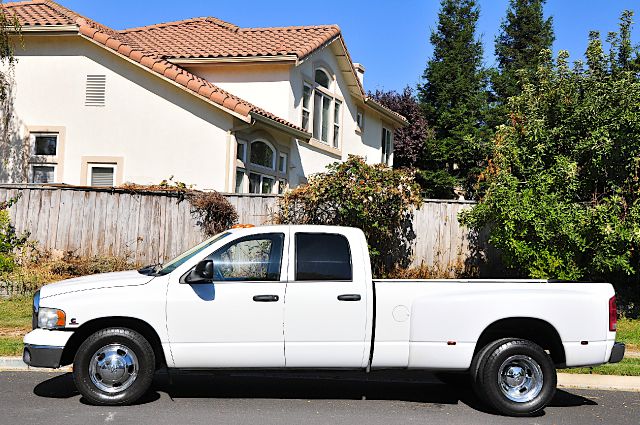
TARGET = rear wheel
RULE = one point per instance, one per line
(517, 378)
(114, 366)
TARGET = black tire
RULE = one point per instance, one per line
(138, 379)
(478, 363)
(528, 358)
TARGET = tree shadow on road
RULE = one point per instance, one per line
(415, 387)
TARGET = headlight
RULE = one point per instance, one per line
(51, 318)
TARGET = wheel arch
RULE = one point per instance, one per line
(535, 330)
(92, 326)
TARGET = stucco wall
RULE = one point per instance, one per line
(265, 85)
(159, 129)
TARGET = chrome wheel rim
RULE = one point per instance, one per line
(113, 368)
(520, 378)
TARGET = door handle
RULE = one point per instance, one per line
(349, 297)
(266, 298)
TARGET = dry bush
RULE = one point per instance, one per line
(72, 266)
(36, 270)
(423, 271)
(213, 212)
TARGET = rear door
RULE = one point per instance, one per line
(325, 303)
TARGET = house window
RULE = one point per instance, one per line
(336, 123)
(387, 146)
(306, 106)
(282, 186)
(102, 175)
(43, 174)
(44, 157)
(322, 78)
(282, 163)
(45, 144)
(321, 110)
(262, 154)
(260, 183)
(264, 170)
(240, 180)
(360, 119)
(242, 151)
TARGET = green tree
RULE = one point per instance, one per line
(524, 33)
(563, 189)
(454, 100)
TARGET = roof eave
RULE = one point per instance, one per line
(387, 113)
(299, 134)
(46, 29)
(235, 59)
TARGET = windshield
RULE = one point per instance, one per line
(182, 258)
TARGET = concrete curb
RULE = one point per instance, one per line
(599, 382)
(565, 380)
(16, 364)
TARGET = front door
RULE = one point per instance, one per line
(236, 321)
(326, 305)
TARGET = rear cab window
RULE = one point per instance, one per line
(322, 257)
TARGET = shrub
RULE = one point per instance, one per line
(214, 213)
(10, 241)
(374, 198)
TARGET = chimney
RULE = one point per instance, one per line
(360, 72)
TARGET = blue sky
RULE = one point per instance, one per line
(390, 38)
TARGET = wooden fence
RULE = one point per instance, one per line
(150, 227)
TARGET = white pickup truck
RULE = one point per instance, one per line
(303, 297)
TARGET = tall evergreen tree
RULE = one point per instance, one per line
(454, 100)
(524, 33)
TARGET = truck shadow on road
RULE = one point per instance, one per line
(415, 388)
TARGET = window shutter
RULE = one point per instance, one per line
(102, 176)
(96, 88)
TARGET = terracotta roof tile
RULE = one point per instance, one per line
(46, 12)
(210, 37)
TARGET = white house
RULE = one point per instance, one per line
(214, 105)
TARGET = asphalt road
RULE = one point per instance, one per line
(256, 399)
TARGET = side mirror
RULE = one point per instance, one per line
(202, 273)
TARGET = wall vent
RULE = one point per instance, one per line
(96, 88)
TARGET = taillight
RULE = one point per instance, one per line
(613, 314)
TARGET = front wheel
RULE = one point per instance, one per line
(518, 378)
(114, 366)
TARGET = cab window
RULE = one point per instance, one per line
(252, 258)
(323, 256)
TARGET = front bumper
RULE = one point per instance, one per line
(42, 355)
(617, 352)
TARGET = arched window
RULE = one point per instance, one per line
(321, 110)
(263, 154)
(322, 78)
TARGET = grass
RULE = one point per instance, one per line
(10, 346)
(15, 322)
(629, 333)
(627, 367)
(15, 313)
